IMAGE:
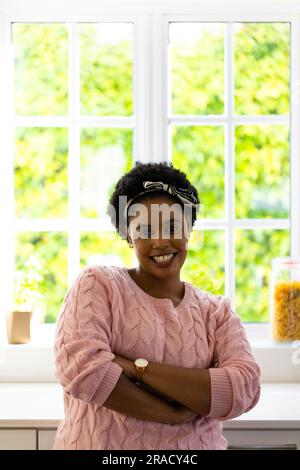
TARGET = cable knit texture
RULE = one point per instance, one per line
(105, 313)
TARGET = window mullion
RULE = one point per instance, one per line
(295, 138)
(229, 164)
(63, 121)
(189, 120)
(158, 97)
(142, 148)
(74, 155)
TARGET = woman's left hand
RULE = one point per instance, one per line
(127, 366)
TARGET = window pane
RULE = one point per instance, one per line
(262, 68)
(205, 265)
(262, 171)
(106, 69)
(41, 178)
(50, 251)
(105, 248)
(199, 152)
(105, 155)
(254, 251)
(197, 68)
(40, 69)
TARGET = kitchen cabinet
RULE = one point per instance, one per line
(43, 439)
(267, 438)
(18, 439)
(46, 439)
(242, 438)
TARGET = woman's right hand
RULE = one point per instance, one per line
(181, 414)
(178, 413)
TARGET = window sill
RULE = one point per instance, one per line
(34, 362)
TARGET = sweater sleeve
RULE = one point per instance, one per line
(235, 382)
(83, 357)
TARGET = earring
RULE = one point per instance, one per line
(130, 244)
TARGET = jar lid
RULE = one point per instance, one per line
(286, 262)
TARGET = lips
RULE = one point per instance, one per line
(164, 254)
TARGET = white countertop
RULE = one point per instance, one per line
(40, 405)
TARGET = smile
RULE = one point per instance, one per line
(163, 261)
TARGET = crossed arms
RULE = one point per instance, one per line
(169, 394)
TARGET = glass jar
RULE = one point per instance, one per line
(285, 299)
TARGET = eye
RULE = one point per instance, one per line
(171, 230)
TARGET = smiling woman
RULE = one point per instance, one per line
(197, 365)
(162, 250)
(159, 273)
(160, 256)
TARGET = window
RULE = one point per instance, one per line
(73, 138)
(229, 118)
(90, 93)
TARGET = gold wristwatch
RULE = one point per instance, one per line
(141, 365)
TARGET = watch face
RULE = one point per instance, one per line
(141, 362)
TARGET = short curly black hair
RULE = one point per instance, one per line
(131, 184)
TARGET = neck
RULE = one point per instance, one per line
(171, 285)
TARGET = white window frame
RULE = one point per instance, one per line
(230, 120)
(151, 118)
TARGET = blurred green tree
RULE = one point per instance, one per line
(261, 59)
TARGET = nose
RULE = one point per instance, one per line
(162, 241)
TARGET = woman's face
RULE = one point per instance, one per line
(158, 229)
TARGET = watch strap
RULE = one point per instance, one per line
(139, 373)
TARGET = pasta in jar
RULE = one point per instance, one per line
(285, 299)
(286, 316)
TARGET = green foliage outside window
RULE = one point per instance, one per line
(261, 59)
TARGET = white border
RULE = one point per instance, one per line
(6, 177)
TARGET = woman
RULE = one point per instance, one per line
(197, 368)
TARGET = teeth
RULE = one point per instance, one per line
(163, 259)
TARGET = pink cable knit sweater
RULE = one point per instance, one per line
(106, 312)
